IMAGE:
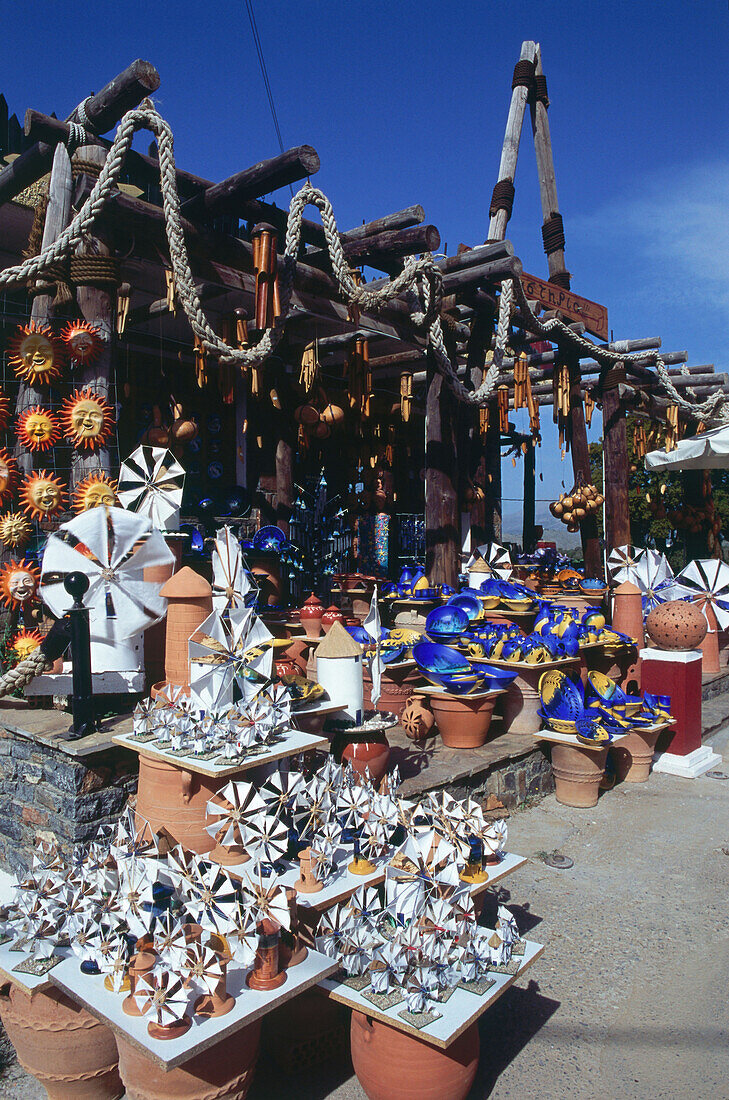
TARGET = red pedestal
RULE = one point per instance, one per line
(666, 672)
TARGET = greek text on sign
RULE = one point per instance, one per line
(593, 316)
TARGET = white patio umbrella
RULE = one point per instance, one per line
(708, 451)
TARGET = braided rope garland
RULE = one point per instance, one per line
(421, 281)
(30, 667)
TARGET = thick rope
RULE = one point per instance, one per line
(30, 667)
(421, 281)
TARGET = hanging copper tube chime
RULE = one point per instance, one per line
(483, 422)
(671, 427)
(201, 362)
(123, 297)
(265, 265)
(503, 401)
(406, 395)
(171, 291)
(521, 382)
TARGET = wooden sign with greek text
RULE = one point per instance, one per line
(593, 316)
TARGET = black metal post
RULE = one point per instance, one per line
(84, 719)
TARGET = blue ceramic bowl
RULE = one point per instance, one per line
(270, 540)
(561, 697)
(470, 604)
(446, 623)
(496, 678)
(359, 634)
(431, 657)
(392, 653)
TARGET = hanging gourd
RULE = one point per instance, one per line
(183, 429)
(83, 342)
(88, 420)
(42, 495)
(265, 265)
(36, 355)
(95, 491)
(37, 429)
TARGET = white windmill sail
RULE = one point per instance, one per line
(151, 483)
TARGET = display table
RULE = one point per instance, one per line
(29, 983)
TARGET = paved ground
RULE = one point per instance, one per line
(630, 999)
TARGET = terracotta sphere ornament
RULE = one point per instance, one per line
(15, 530)
(26, 642)
(42, 495)
(19, 582)
(87, 420)
(38, 429)
(95, 491)
(676, 625)
(83, 342)
(8, 476)
(36, 354)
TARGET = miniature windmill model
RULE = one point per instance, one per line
(151, 483)
(112, 547)
(231, 583)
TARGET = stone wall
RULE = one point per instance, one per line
(49, 793)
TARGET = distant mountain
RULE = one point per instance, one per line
(512, 526)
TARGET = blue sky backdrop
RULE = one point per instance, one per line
(407, 103)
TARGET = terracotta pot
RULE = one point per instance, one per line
(60, 1044)
(463, 723)
(297, 652)
(310, 615)
(521, 703)
(371, 755)
(676, 625)
(175, 799)
(223, 1072)
(577, 774)
(266, 570)
(396, 688)
(285, 666)
(154, 636)
(331, 616)
(417, 719)
(634, 756)
(391, 1065)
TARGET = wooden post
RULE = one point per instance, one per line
(528, 538)
(441, 503)
(581, 467)
(547, 179)
(510, 148)
(615, 461)
(97, 305)
(57, 218)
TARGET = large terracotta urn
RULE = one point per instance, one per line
(222, 1072)
(519, 706)
(310, 615)
(391, 1065)
(634, 755)
(396, 686)
(463, 722)
(577, 773)
(367, 755)
(62, 1045)
(266, 572)
(417, 719)
(171, 797)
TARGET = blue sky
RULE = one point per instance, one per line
(407, 103)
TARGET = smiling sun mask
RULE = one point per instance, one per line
(18, 583)
(87, 420)
(82, 341)
(36, 354)
(42, 495)
(38, 429)
(95, 491)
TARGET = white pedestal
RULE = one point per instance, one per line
(689, 766)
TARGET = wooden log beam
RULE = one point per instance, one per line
(485, 253)
(103, 111)
(392, 244)
(615, 461)
(227, 196)
(495, 271)
(510, 148)
(399, 219)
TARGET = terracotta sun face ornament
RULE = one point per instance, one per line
(95, 491)
(42, 495)
(87, 420)
(18, 583)
(38, 429)
(83, 342)
(26, 642)
(8, 476)
(36, 354)
(4, 409)
(15, 530)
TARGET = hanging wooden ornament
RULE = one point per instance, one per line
(42, 495)
(88, 420)
(521, 380)
(83, 342)
(36, 355)
(483, 422)
(503, 402)
(95, 491)
(123, 299)
(406, 395)
(37, 429)
(589, 408)
(309, 367)
(15, 530)
(171, 291)
(18, 583)
(25, 642)
(8, 476)
(265, 265)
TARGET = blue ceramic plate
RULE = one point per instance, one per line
(270, 539)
